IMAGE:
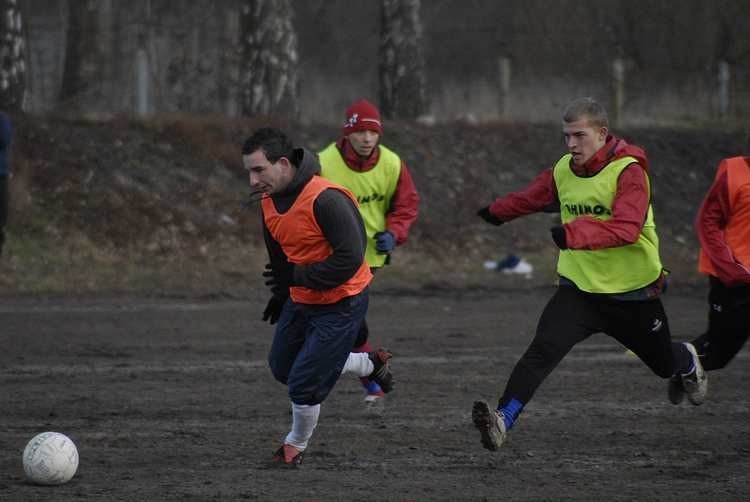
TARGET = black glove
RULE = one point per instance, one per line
(485, 214)
(279, 277)
(273, 309)
(558, 235)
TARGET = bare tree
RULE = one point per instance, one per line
(402, 78)
(81, 62)
(268, 58)
(12, 57)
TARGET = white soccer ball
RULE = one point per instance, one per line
(50, 458)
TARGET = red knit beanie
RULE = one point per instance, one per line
(362, 116)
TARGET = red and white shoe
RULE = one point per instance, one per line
(287, 456)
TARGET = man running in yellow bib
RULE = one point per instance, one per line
(611, 275)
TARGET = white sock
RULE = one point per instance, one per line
(358, 363)
(304, 420)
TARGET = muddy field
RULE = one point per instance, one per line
(172, 399)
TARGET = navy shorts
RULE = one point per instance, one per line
(312, 343)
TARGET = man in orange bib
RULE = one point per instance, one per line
(318, 277)
(723, 227)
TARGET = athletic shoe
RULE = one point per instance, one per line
(374, 397)
(675, 390)
(511, 264)
(287, 456)
(490, 424)
(522, 267)
(381, 373)
(695, 383)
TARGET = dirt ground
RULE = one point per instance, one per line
(172, 399)
(167, 392)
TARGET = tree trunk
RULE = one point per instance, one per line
(402, 78)
(268, 58)
(12, 57)
(82, 68)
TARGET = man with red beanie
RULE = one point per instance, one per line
(385, 192)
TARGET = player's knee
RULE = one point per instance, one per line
(305, 396)
(540, 359)
(281, 374)
(544, 353)
(362, 335)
